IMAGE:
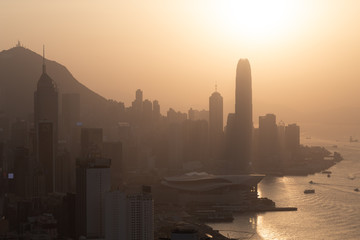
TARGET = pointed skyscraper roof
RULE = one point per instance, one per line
(45, 81)
(44, 66)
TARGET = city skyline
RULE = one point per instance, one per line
(308, 59)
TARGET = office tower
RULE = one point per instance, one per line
(114, 151)
(115, 215)
(216, 124)
(147, 110)
(195, 141)
(21, 172)
(292, 137)
(63, 170)
(156, 110)
(230, 136)
(243, 114)
(140, 217)
(46, 103)
(46, 153)
(70, 112)
(268, 140)
(91, 142)
(92, 183)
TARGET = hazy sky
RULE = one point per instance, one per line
(304, 55)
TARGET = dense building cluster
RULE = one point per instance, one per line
(64, 175)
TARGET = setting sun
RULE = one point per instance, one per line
(258, 20)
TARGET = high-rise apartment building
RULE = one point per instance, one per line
(92, 183)
(140, 217)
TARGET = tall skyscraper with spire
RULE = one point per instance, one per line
(46, 110)
(216, 124)
(243, 114)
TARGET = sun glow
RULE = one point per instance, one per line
(256, 20)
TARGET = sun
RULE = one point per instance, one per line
(256, 20)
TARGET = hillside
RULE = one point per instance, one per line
(20, 69)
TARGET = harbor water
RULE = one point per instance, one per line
(332, 212)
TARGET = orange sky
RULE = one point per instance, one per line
(304, 55)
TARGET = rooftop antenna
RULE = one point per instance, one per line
(44, 66)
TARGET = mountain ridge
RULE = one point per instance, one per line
(20, 69)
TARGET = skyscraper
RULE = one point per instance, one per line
(268, 149)
(46, 153)
(243, 114)
(92, 184)
(140, 216)
(46, 104)
(91, 142)
(216, 123)
(70, 112)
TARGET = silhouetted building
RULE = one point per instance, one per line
(216, 124)
(147, 110)
(243, 114)
(292, 137)
(198, 115)
(92, 183)
(63, 170)
(195, 141)
(91, 142)
(46, 153)
(70, 112)
(21, 172)
(114, 151)
(230, 134)
(156, 110)
(268, 141)
(174, 141)
(137, 104)
(175, 117)
(115, 216)
(46, 104)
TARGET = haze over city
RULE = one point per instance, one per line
(304, 55)
(173, 120)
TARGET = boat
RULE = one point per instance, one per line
(307, 191)
(356, 190)
(353, 139)
(311, 182)
(328, 175)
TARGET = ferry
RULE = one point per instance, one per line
(307, 191)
